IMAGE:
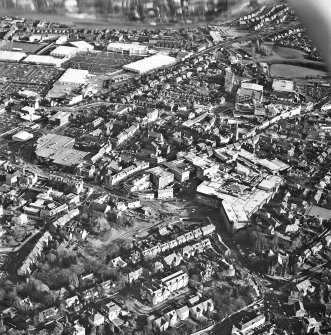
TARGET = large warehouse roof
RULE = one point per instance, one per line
(41, 59)
(74, 76)
(11, 56)
(64, 51)
(58, 149)
(150, 63)
(82, 45)
(22, 46)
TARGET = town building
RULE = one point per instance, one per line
(181, 170)
(159, 291)
(161, 177)
(59, 119)
(112, 310)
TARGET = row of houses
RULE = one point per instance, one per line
(25, 268)
(180, 240)
(172, 317)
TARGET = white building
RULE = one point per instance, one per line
(82, 45)
(128, 48)
(150, 63)
(74, 76)
(64, 51)
(43, 59)
(22, 136)
(281, 85)
(11, 56)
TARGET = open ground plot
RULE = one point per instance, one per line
(99, 62)
(293, 71)
(288, 53)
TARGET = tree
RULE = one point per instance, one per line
(38, 318)
(3, 329)
(93, 330)
(109, 329)
(58, 328)
(99, 224)
(73, 280)
(101, 330)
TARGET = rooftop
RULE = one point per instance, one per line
(319, 212)
(43, 59)
(74, 76)
(11, 56)
(159, 171)
(22, 46)
(283, 85)
(64, 51)
(150, 63)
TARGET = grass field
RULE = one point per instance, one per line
(293, 71)
(288, 53)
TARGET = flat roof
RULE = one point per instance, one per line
(252, 86)
(59, 115)
(60, 90)
(245, 92)
(22, 136)
(159, 171)
(82, 45)
(64, 50)
(150, 63)
(11, 56)
(283, 85)
(238, 207)
(22, 46)
(43, 59)
(68, 156)
(274, 165)
(74, 76)
(319, 212)
(53, 141)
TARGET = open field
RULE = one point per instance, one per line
(293, 71)
(288, 53)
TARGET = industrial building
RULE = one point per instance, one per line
(128, 48)
(236, 202)
(74, 77)
(150, 64)
(11, 56)
(43, 60)
(58, 150)
(28, 48)
(64, 52)
(82, 45)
